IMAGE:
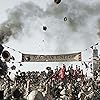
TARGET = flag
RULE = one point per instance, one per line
(62, 73)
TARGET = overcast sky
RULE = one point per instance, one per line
(27, 17)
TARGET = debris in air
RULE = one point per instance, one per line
(44, 28)
(57, 1)
(65, 18)
(13, 67)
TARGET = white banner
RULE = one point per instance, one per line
(51, 58)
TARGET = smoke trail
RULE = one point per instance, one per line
(16, 17)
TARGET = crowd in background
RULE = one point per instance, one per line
(63, 83)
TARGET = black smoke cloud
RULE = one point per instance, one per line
(14, 26)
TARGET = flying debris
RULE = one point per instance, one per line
(21, 64)
(12, 62)
(44, 28)
(9, 73)
(65, 18)
(13, 58)
(13, 67)
(86, 65)
(19, 71)
(57, 1)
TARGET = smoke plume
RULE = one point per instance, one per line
(16, 19)
(81, 26)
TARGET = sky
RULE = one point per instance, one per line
(22, 21)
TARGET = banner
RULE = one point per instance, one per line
(51, 58)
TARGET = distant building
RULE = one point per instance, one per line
(96, 62)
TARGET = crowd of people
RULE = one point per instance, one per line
(63, 83)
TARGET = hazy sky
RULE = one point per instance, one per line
(27, 17)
